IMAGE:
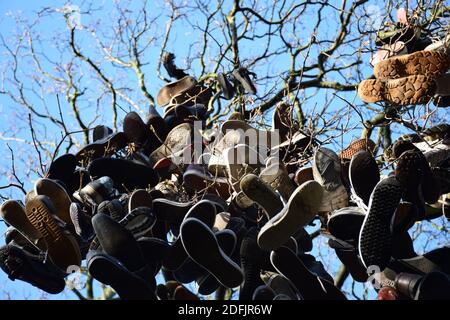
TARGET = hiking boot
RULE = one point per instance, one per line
(429, 63)
(411, 90)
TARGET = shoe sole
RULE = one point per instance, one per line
(174, 88)
(299, 211)
(417, 89)
(375, 238)
(140, 198)
(62, 249)
(202, 246)
(127, 286)
(307, 284)
(356, 146)
(430, 63)
(345, 226)
(363, 175)
(58, 195)
(255, 189)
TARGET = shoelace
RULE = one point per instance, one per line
(359, 202)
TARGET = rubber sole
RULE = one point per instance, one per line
(430, 63)
(411, 90)
(299, 211)
(202, 246)
(127, 285)
(62, 248)
(58, 195)
(261, 193)
(356, 146)
(171, 89)
(307, 284)
(363, 175)
(375, 238)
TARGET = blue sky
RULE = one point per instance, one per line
(181, 43)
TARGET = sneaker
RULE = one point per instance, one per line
(101, 132)
(111, 272)
(140, 198)
(15, 238)
(62, 247)
(261, 193)
(114, 208)
(125, 173)
(346, 223)
(411, 90)
(102, 148)
(327, 172)
(197, 239)
(96, 192)
(277, 177)
(302, 206)
(13, 213)
(58, 195)
(205, 212)
(303, 175)
(18, 264)
(279, 284)
(364, 175)
(136, 130)
(171, 211)
(198, 178)
(139, 221)
(227, 240)
(81, 222)
(174, 88)
(310, 286)
(430, 63)
(176, 141)
(198, 94)
(62, 168)
(375, 238)
(117, 241)
(263, 293)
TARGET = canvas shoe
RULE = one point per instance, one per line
(198, 239)
(301, 208)
(375, 238)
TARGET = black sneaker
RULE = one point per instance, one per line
(114, 208)
(375, 238)
(102, 148)
(111, 272)
(118, 242)
(364, 175)
(18, 264)
(62, 168)
(201, 245)
(101, 132)
(154, 251)
(140, 221)
(227, 240)
(81, 222)
(432, 286)
(263, 293)
(126, 174)
(310, 286)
